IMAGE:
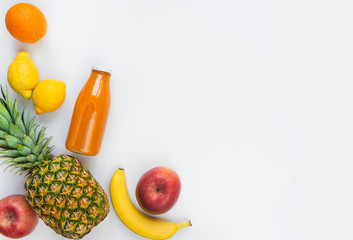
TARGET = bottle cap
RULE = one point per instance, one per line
(101, 68)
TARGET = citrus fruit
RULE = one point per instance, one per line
(23, 75)
(26, 22)
(48, 95)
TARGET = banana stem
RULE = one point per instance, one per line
(183, 224)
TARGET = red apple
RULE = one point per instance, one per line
(17, 218)
(158, 190)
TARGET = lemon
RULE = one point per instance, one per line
(48, 95)
(23, 75)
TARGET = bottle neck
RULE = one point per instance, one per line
(103, 73)
(98, 81)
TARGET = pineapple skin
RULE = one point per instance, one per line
(66, 196)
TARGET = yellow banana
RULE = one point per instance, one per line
(133, 218)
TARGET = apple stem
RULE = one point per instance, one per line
(10, 217)
(184, 224)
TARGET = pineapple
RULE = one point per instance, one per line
(59, 188)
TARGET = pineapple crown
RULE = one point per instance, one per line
(20, 143)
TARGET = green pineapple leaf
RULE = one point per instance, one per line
(4, 124)
(10, 153)
(15, 131)
(30, 124)
(4, 112)
(2, 134)
(12, 141)
(21, 145)
(40, 136)
(31, 158)
(32, 132)
(25, 151)
(46, 151)
(28, 141)
(3, 144)
(37, 150)
(18, 119)
(20, 160)
(7, 102)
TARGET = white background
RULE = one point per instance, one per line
(249, 101)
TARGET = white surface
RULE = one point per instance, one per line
(250, 102)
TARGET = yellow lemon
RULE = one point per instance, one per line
(23, 75)
(48, 95)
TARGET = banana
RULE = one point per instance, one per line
(133, 218)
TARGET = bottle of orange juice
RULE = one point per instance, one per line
(90, 114)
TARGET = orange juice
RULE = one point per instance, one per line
(90, 114)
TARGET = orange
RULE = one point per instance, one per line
(26, 22)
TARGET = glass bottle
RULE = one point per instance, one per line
(90, 114)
